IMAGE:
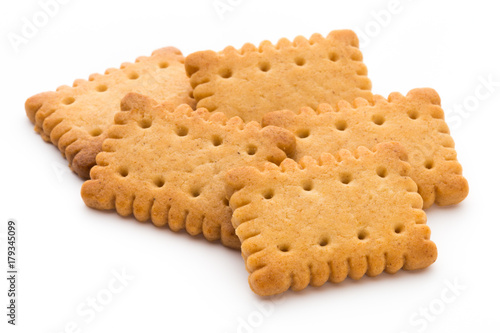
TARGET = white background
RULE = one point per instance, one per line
(68, 252)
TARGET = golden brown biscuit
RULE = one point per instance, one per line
(168, 166)
(76, 119)
(252, 81)
(318, 221)
(416, 121)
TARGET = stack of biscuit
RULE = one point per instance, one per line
(281, 151)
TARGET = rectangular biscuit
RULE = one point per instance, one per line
(416, 121)
(168, 165)
(323, 220)
(76, 119)
(252, 81)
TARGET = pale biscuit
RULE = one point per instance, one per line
(317, 221)
(252, 81)
(76, 119)
(168, 166)
(416, 121)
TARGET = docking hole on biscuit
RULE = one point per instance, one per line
(303, 133)
(216, 140)
(341, 125)
(268, 194)
(95, 132)
(68, 100)
(145, 123)
(333, 56)
(345, 178)
(378, 119)
(382, 172)
(101, 88)
(251, 150)
(159, 181)
(284, 247)
(182, 131)
(398, 228)
(300, 61)
(413, 114)
(362, 234)
(264, 66)
(163, 64)
(307, 185)
(123, 172)
(429, 164)
(195, 192)
(324, 241)
(133, 76)
(226, 73)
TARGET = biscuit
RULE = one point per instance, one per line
(76, 119)
(252, 81)
(168, 165)
(323, 220)
(416, 121)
